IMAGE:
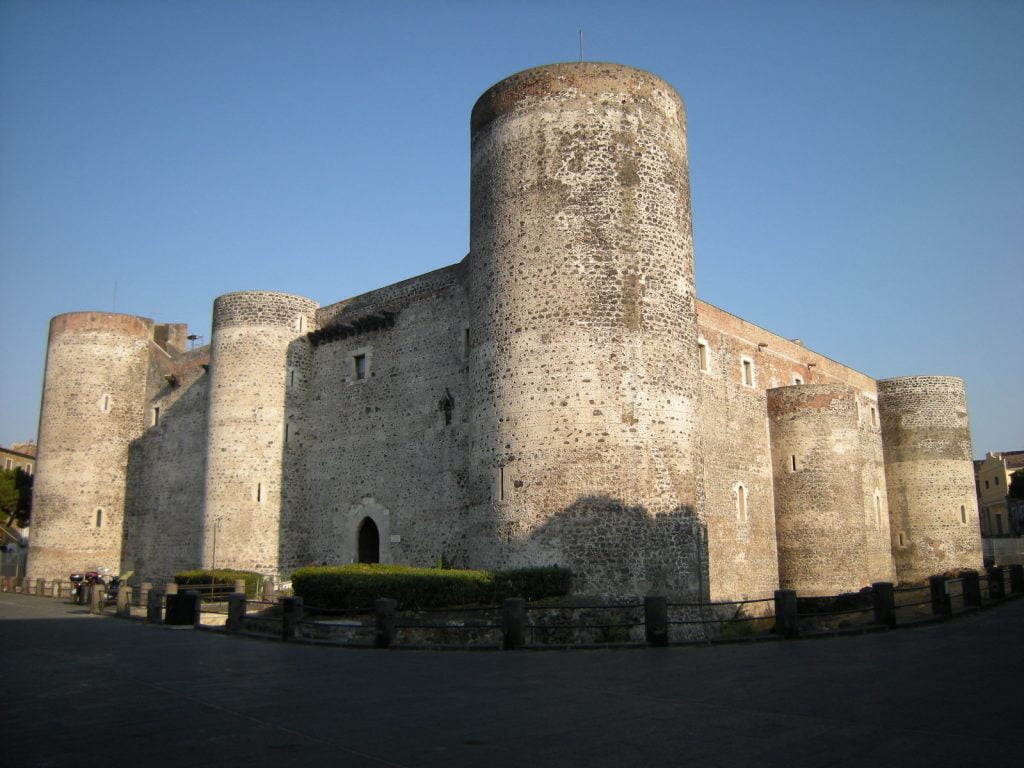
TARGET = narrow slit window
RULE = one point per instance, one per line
(899, 538)
(792, 462)
(501, 483)
(963, 514)
(359, 364)
(996, 480)
(156, 415)
(748, 373)
(465, 342)
(287, 432)
(99, 518)
(702, 355)
(259, 492)
(797, 380)
(878, 510)
(741, 503)
(874, 417)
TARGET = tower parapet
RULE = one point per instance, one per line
(583, 328)
(94, 398)
(930, 475)
(257, 341)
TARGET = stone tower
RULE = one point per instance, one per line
(94, 398)
(258, 341)
(583, 329)
(929, 475)
(832, 523)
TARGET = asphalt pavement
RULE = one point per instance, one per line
(83, 691)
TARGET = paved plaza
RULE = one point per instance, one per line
(84, 691)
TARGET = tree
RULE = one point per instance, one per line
(16, 495)
(1016, 490)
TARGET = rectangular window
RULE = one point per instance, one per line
(465, 343)
(360, 367)
(702, 355)
(986, 483)
(748, 373)
(156, 415)
(797, 380)
(259, 491)
(287, 432)
(8, 464)
(28, 469)
(501, 483)
(792, 460)
(874, 417)
(996, 480)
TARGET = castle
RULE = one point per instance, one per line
(559, 396)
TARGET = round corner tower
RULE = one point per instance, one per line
(831, 521)
(930, 475)
(257, 341)
(583, 329)
(94, 397)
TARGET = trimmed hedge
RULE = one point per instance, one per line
(220, 576)
(358, 586)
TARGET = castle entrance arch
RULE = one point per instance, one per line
(368, 541)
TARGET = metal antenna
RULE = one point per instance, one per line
(581, 45)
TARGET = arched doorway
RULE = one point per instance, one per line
(369, 542)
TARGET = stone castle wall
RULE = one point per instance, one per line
(929, 475)
(557, 397)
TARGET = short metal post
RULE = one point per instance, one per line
(384, 611)
(996, 587)
(155, 606)
(513, 623)
(941, 605)
(236, 612)
(290, 617)
(971, 589)
(1016, 579)
(786, 624)
(656, 619)
(884, 603)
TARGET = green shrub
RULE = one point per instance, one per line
(358, 586)
(220, 576)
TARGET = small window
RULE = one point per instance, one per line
(8, 464)
(741, 503)
(359, 367)
(963, 514)
(874, 417)
(986, 483)
(465, 343)
(747, 372)
(878, 510)
(792, 463)
(291, 377)
(900, 540)
(996, 480)
(105, 403)
(702, 355)
(501, 483)
(98, 520)
(156, 415)
(287, 432)
(300, 323)
(797, 380)
(28, 469)
(259, 492)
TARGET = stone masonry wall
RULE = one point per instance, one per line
(581, 300)
(94, 395)
(929, 475)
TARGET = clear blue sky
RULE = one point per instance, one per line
(857, 167)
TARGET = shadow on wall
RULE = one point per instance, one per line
(615, 549)
(164, 499)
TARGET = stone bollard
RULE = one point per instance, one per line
(971, 589)
(656, 619)
(884, 603)
(55, 588)
(996, 586)
(1016, 579)
(384, 610)
(941, 605)
(155, 606)
(240, 586)
(144, 590)
(291, 615)
(786, 624)
(171, 588)
(124, 602)
(513, 623)
(96, 598)
(236, 612)
(40, 587)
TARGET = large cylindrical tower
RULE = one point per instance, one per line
(256, 343)
(94, 397)
(930, 475)
(583, 329)
(831, 522)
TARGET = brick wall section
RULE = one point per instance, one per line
(929, 475)
(581, 300)
(827, 469)
(94, 395)
(253, 332)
